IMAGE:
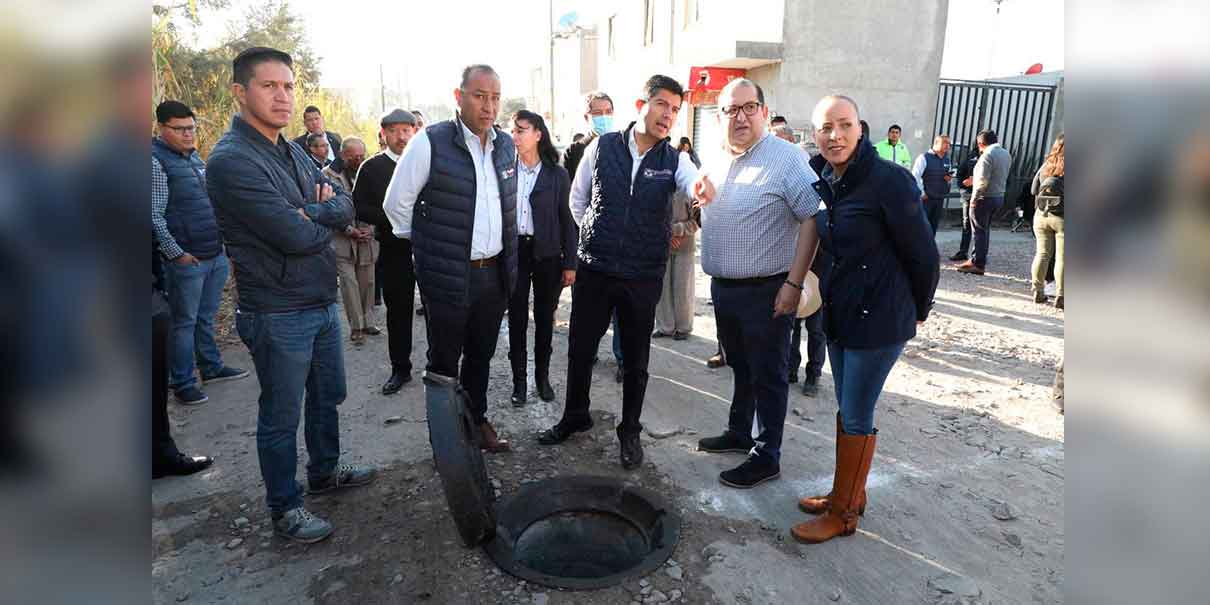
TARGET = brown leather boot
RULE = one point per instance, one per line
(818, 505)
(854, 455)
(489, 440)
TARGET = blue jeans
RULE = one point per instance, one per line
(859, 375)
(982, 211)
(295, 352)
(758, 351)
(194, 292)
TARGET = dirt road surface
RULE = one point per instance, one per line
(965, 495)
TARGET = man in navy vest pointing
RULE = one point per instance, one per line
(454, 194)
(621, 200)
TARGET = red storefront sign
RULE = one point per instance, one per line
(705, 82)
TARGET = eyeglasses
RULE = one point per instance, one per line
(750, 108)
(181, 129)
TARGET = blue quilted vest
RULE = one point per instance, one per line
(935, 169)
(189, 215)
(626, 230)
(443, 221)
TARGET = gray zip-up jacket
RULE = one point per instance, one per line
(991, 172)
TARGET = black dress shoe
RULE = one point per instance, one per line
(518, 397)
(753, 472)
(810, 385)
(618, 376)
(420, 310)
(680, 336)
(631, 450)
(181, 465)
(396, 381)
(959, 256)
(559, 433)
(716, 361)
(545, 391)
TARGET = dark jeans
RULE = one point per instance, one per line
(965, 246)
(378, 279)
(617, 339)
(398, 291)
(932, 211)
(859, 375)
(817, 344)
(547, 278)
(163, 448)
(757, 346)
(194, 292)
(982, 211)
(468, 333)
(296, 353)
(595, 297)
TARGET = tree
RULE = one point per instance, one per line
(510, 106)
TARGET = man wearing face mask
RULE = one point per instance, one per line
(621, 198)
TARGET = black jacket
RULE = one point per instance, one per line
(443, 220)
(333, 143)
(575, 153)
(555, 232)
(885, 264)
(284, 262)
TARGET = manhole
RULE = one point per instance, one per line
(577, 532)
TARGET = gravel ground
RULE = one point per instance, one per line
(966, 492)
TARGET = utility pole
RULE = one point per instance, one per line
(382, 90)
(551, 6)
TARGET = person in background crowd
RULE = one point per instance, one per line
(277, 213)
(686, 146)
(189, 239)
(816, 339)
(621, 198)
(965, 181)
(894, 150)
(419, 119)
(758, 240)
(865, 130)
(317, 147)
(880, 289)
(598, 116)
(577, 137)
(546, 251)
(454, 195)
(674, 313)
(989, 183)
(395, 253)
(356, 250)
(166, 459)
(313, 121)
(1047, 188)
(932, 172)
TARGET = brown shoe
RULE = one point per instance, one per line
(490, 441)
(854, 455)
(818, 505)
(969, 267)
(716, 361)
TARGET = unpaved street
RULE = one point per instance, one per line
(965, 496)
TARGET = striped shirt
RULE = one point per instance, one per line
(751, 227)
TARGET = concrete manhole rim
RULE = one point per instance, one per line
(520, 510)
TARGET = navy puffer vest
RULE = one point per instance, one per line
(189, 215)
(443, 221)
(935, 169)
(625, 231)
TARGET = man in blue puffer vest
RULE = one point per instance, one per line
(188, 238)
(454, 195)
(621, 199)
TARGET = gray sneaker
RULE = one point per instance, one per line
(346, 475)
(300, 525)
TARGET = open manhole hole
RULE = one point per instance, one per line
(577, 532)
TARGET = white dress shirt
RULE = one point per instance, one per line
(412, 173)
(525, 187)
(581, 189)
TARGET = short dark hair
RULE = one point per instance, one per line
(416, 112)
(315, 136)
(172, 109)
(657, 83)
(247, 60)
(894, 127)
(311, 109)
(595, 95)
(471, 70)
(776, 119)
(865, 127)
(988, 137)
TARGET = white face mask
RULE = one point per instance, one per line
(602, 124)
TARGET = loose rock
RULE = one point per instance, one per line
(674, 572)
(234, 543)
(240, 522)
(1003, 512)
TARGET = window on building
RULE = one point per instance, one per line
(610, 34)
(648, 22)
(692, 12)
